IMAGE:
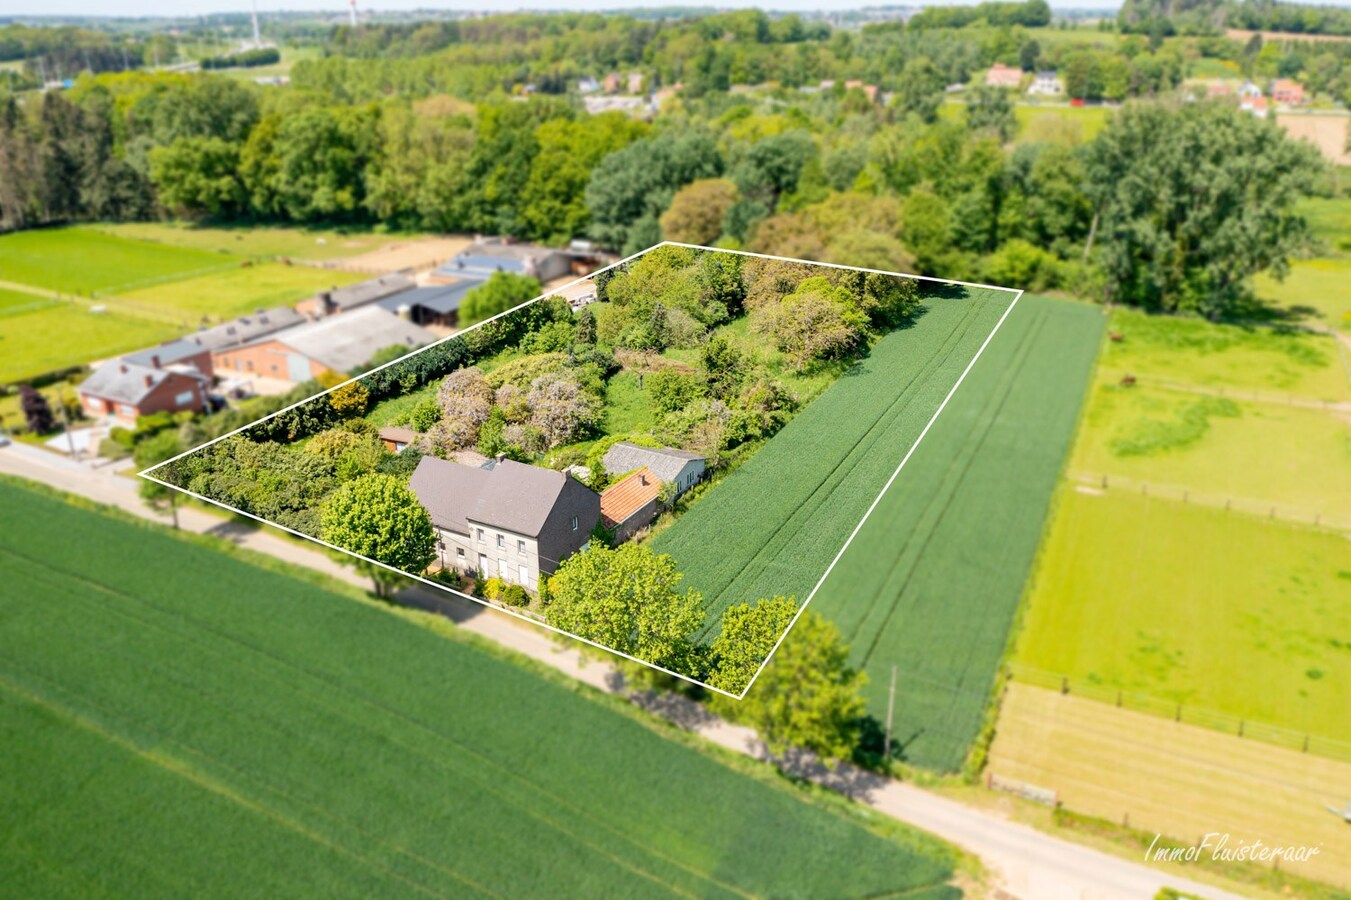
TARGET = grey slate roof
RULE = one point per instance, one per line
(246, 328)
(664, 462)
(125, 382)
(440, 299)
(512, 496)
(448, 490)
(348, 340)
(170, 353)
(353, 295)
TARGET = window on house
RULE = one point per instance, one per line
(520, 546)
(501, 540)
(480, 534)
(524, 573)
(183, 398)
(459, 553)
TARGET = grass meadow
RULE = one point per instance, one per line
(251, 241)
(222, 295)
(1195, 605)
(195, 724)
(932, 582)
(66, 334)
(86, 261)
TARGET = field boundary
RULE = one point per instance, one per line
(1314, 744)
(147, 473)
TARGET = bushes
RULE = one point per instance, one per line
(510, 594)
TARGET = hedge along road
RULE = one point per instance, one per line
(774, 525)
(932, 582)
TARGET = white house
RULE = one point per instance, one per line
(1046, 84)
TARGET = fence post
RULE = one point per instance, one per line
(1064, 684)
(1240, 728)
(1118, 699)
(1179, 713)
(1306, 743)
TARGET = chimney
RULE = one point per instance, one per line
(642, 479)
(150, 381)
(154, 361)
(122, 368)
(326, 304)
(501, 456)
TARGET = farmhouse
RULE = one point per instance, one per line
(246, 328)
(123, 390)
(678, 467)
(631, 503)
(1287, 93)
(1003, 76)
(1046, 83)
(334, 344)
(352, 296)
(505, 519)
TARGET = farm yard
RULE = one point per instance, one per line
(774, 525)
(931, 583)
(269, 735)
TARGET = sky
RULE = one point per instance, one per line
(197, 7)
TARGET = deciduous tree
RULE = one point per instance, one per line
(379, 518)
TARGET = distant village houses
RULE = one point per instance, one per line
(1046, 83)
(1003, 76)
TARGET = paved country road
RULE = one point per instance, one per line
(1026, 864)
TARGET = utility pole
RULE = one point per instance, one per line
(891, 707)
(257, 36)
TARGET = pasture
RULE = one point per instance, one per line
(223, 295)
(1316, 288)
(774, 524)
(932, 582)
(1192, 604)
(87, 262)
(1176, 779)
(267, 736)
(65, 334)
(253, 241)
(1289, 456)
(1236, 359)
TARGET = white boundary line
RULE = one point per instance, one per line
(857, 528)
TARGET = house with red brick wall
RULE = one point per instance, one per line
(1287, 93)
(122, 391)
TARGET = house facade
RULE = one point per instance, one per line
(505, 519)
(630, 504)
(1000, 75)
(123, 391)
(1046, 84)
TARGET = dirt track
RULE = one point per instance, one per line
(1328, 133)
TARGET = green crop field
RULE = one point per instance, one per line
(931, 583)
(67, 334)
(1285, 455)
(1211, 609)
(774, 525)
(84, 261)
(251, 241)
(13, 303)
(222, 295)
(193, 724)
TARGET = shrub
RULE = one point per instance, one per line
(513, 595)
(424, 415)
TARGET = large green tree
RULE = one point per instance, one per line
(808, 696)
(379, 518)
(1192, 200)
(748, 635)
(628, 600)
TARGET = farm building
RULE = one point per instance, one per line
(353, 296)
(247, 328)
(432, 305)
(678, 467)
(334, 344)
(1003, 76)
(489, 255)
(173, 353)
(631, 503)
(1047, 84)
(122, 391)
(396, 440)
(505, 519)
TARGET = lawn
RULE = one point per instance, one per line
(1195, 605)
(1234, 358)
(266, 736)
(86, 261)
(67, 335)
(931, 583)
(1284, 455)
(1179, 780)
(1318, 288)
(223, 295)
(1059, 124)
(251, 241)
(14, 303)
(774, 524)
